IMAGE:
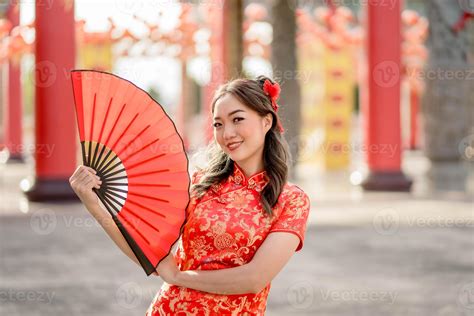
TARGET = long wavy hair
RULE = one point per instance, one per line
(276, 154)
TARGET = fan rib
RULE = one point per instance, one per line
(145, 208)
(83, 149)
(118, 139)
(138, 184)
(115, 201)
(99, 166)
(149, 185)
(108, 205)
(119, 196)
(89, 158)
(97, 143)
(135, 138)
(124, 131)
(105, 169)
(110, 134)
(120, 162)
(107, 175)
(96, 158)
(142, 219)
(116, 184)
(136, 230)
(117, 178)
(146, 173)
(107, 200)
(116, 189)
(94, 163)
(141, 149)
(144, 161)
(142, 258)
(148, 197)
(115, 123)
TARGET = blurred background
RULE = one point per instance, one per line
(378, 106)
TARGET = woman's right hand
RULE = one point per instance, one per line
(82, 181)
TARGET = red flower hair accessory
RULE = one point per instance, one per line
(273, 91)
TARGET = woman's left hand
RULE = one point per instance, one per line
(168, 269)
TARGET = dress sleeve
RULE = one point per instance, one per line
(294, 216)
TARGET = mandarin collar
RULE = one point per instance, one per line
(257, 181)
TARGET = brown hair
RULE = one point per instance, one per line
(276, 154)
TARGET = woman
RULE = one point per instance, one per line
(244, 220)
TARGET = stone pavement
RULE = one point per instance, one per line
(364, 254)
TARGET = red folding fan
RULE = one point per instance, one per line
(130, 141)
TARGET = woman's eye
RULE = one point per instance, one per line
(237, 118)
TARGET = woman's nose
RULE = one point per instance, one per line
(229, 132)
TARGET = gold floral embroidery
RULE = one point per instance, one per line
(237, 179)
(224, 229)
(223, 241)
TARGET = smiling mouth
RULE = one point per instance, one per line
(234, 145)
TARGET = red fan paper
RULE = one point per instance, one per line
(130, 141)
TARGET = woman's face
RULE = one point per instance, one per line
(239, 130)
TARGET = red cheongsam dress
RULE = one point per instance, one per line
(224, 229)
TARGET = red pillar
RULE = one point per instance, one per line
(382, 110)
(55, 129)
(12, 118)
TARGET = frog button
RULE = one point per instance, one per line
(251, 184)
(238, 179)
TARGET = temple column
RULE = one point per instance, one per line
(55, 123)
(382, 107)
